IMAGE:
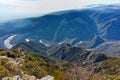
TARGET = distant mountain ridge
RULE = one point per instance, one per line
(31, 46)
(74, 54)
(111, 48)
(94, 25)
(62, 51)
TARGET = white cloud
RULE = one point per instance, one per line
(46, 6)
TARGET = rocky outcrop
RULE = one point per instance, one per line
(27, 77)
(12, 78)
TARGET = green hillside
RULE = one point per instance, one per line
(18, 62)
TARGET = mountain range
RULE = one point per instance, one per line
(63, 51)
(87, 28)
(81, 44)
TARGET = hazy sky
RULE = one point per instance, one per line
(10, 9)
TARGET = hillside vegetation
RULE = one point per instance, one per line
(15, 63)
(18, 62)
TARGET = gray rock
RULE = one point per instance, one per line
(5, 78)
(16, 78)
(27, 77)
(48, 77)
(12, 78)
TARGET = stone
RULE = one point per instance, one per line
(5, 78)
(48, 77)
(16, 78)
(27, 77)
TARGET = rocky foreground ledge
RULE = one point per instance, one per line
(27, 77)
(15, 60)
